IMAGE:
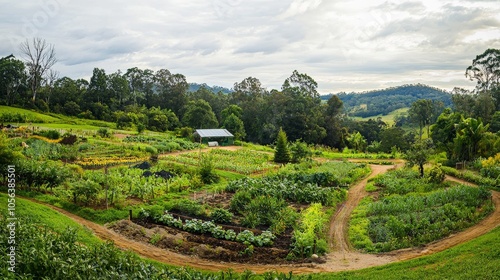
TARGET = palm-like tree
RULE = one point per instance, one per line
(470, 131)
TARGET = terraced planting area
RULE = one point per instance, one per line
(277, 218)
(241, 161)
(406, 211)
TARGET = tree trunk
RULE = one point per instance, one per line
(421, 169)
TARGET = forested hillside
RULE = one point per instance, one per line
(215, 89)
(382, 102)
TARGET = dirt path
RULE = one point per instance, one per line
(341, 258)
(338, 226)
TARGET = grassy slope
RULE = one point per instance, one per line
(388, 119)
(54, 121)
(29, 114)
(50, 217)
(476, 259)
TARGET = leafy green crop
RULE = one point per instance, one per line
(209, 227)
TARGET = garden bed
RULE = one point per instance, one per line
(202, 245)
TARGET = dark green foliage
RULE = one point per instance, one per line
(395, 137)
(299, 152)
(445, 130)
(235, 125)
(103, 132)
(71, 108)
(187, 207)
(221, 216)
(38, 174)
(281, 153)
(51, 134)
(68, 139)
(140, 128)
(85, 192)
(185, 132)
(207, 170)
(470, 132)
(289, 190)
(198, 114)
(418, 154)
(161, 120)
(13, 80)
(239, 201)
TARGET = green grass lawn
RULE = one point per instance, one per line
(53, 219)
(476, 259)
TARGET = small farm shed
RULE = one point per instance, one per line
(221, 136)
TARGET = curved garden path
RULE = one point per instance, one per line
(341, 258)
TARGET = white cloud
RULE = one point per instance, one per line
(345, 46)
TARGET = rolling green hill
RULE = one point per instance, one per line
(382, 102)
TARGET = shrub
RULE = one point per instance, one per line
(31, 173)
(51, 134)
(86, 191)
(151, 150)
(299, 152)
(436, 175)
(221, 216)
(207, 170)
(239, 202)
(188, 207)
(185, 132)
(103, 132)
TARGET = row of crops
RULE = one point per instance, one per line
(42, 253)
(210, 227)
(93, 153)
(241, 161)
(317, 188)
(411, 212)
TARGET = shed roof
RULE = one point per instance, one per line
(206, 133)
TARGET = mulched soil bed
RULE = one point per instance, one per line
(206, 246)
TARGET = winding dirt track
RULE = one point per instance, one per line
(341, 258)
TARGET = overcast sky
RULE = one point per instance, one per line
(344, 45)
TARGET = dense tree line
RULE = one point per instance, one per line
(161, 100)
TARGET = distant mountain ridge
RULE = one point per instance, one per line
(215, 89)
(382, 102)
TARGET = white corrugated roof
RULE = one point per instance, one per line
(213, 133)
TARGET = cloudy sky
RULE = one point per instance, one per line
(344, 45)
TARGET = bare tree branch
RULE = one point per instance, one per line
(40, 57)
